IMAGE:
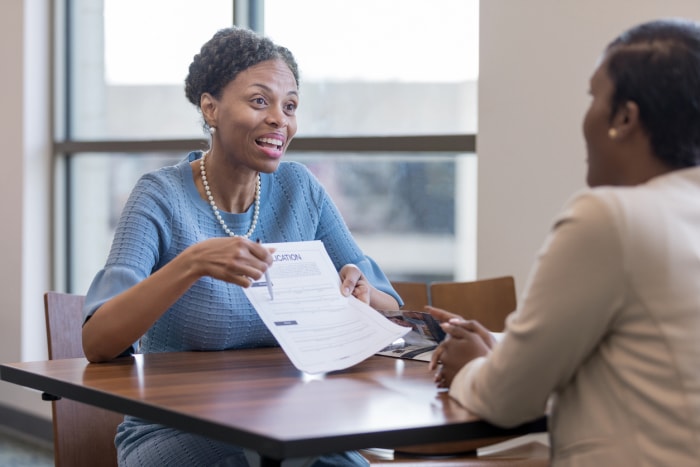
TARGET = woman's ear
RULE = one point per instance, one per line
(626, 120)
(208, 106)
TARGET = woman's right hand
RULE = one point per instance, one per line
(231, 259)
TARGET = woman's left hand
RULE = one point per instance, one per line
(354, 283)
(464, 342)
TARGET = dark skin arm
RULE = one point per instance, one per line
(126, 317)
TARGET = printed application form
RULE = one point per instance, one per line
(318, 328)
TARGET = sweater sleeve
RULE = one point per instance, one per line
(574, 290)
(142, 234)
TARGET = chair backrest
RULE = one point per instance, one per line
(83, 434)
(488, 301)
(413, 294)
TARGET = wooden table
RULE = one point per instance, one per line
(258, 400)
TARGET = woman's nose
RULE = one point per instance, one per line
(277, 118)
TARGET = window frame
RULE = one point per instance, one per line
(249, 13)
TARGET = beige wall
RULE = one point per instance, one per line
(24, 191)
(536, 57)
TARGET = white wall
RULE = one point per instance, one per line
(24, 188)
(536, 57)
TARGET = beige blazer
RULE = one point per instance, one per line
(608, 330)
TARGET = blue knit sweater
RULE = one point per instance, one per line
(165, 214)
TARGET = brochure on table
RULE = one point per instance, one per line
(318, 328)
(423, 337)
(422, 340)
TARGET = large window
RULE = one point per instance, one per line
(387, 117)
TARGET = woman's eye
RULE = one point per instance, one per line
(259, 101)
(290, 108)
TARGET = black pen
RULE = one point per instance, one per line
(267, 278)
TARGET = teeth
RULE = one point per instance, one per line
(276, 142)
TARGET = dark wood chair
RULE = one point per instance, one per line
(83, 435)
(413, 294)
(488, 301)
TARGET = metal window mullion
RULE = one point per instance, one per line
(405, 144)
(67, 128)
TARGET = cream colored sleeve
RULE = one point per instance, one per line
(573, 292)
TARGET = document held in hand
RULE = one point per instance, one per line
(318, 328)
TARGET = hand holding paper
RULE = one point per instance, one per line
(319, 329)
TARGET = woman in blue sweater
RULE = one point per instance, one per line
(186, 244)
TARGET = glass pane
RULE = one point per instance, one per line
(368, 67)
(383, 74)
(381, 67)
(413, 213)
(100, 185)
(129, 60)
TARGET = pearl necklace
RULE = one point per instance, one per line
(215, 209)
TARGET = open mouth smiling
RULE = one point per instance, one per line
(272, 143)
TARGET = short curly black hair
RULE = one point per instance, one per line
(225, 55)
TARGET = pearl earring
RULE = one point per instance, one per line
(212, 130)
(612, 133)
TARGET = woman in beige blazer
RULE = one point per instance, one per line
(608, 328)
